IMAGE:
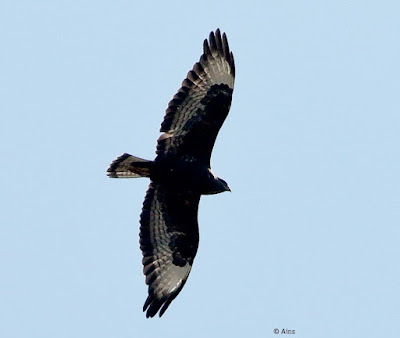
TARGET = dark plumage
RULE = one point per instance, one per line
(181, 173)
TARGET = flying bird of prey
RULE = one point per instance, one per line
(181, 173)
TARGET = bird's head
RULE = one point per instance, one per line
(218, 185)
(215, 185)
(224, 186)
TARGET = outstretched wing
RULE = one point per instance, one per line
(169, 239)
(197, 112)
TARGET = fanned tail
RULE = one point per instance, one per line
(129, 166)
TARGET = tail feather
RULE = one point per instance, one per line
(129, 166)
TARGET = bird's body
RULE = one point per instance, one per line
(181, 173)
(184, 175)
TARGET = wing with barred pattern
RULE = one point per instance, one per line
(197, 112)
(169, 239)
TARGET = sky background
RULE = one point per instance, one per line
(308, 240)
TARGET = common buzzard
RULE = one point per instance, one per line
(181, 173)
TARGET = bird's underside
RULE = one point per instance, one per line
(181, 173)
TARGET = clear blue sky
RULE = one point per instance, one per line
(308, 240)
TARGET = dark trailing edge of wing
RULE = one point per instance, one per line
(217, 44)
